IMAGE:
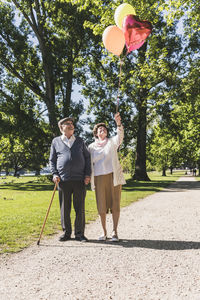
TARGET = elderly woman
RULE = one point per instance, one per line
(107, 176)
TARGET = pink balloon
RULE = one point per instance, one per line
(134, 46)
(135, 31)
(113, 39)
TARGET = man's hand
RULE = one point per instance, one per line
(87, 180)
(56, 179)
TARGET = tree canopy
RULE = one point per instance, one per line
(47, 47)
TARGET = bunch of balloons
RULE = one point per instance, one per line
(130, 30)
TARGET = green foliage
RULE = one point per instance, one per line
(152, 77)
(47, 47)
(146, 79)
(24, 138)
(164, 149)
(175, 140)
(127, 158)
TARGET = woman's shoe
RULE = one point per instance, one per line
(115, 237)
(102, 238)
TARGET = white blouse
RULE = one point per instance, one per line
(104, 160)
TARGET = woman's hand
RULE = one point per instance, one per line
(118, 119)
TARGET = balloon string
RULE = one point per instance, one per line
(119, 83)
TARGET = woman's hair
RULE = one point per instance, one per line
(95, 129)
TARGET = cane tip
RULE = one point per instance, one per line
(38, 242)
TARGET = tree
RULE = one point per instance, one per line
(25, 139)
(151, 76)
(50, 61)
(164, 149)
(147, 75)
(175, 138)
(45, 48)
(127, 159)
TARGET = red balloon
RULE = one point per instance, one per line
(135, 32)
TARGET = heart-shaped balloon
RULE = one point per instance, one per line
(135, 32)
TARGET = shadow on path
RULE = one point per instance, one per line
(155, 186)
(127, 243)
(180, 186)
(154, 244)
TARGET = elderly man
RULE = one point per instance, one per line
(71, 168)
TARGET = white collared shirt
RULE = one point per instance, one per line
(69, 142)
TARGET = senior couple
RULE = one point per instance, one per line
(73, 166)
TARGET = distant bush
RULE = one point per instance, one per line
(45, 178)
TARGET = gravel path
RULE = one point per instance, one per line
(158, 256)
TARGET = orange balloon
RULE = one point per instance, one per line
(113, 39)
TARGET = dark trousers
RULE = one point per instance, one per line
(78, 190)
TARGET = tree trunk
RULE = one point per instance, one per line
(37, 172)
(171, 170)
(52, 116)
(140, 161)
(48, 67)
(69, 81)
(163, 171)
(50, 90)
(16, 171)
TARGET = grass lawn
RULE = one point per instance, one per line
(25, 200)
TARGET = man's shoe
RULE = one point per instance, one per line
(64, 237)
(81, 238)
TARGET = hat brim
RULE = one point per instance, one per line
(64, 120)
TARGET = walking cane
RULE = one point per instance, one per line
(47, 213)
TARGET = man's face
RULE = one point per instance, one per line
(68, 128)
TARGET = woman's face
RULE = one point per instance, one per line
(102, 133)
